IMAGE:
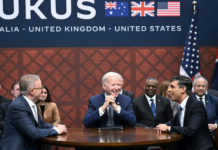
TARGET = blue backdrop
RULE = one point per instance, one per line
(100, 30)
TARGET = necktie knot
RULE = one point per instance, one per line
(201, 98)
(151, 100)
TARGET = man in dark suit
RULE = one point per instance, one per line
(212, 92)
(2, 101)
(191, 119)
(23, 125)
(124, 92)
(110, 108)
(151, 109)
(200, 85)
(15, 90)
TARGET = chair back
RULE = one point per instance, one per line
(216, 139)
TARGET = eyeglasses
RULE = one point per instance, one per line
(40, 88)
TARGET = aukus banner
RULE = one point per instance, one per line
(88, 23)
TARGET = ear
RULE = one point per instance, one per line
(183, 90)
(104, 86)
(12, 91)
(31, 91)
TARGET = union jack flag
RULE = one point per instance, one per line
(142, 9)
(111, 5)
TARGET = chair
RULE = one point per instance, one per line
(216, 139)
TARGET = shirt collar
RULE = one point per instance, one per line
(183, 104)
(121, 92)
(29, 101)
(199, 97)
(148, 98)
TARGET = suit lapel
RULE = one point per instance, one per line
(158, 105)
(28, 107)
(207, 102)
(187, 111)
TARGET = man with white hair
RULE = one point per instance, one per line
(110, 108)
(200, 85)
(23, 125)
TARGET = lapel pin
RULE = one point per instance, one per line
(118, 103)
(207, 101)
(158, 100)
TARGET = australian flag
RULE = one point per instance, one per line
(116, 9)
(190, 66)
(214, 84)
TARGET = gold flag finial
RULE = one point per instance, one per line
(194, 3)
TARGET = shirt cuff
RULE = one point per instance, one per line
(118, 109)
(56, 129)
(169, 128)
(101, 112)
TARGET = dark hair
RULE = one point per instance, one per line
(48, 99)
(183, 81)
(12, 87)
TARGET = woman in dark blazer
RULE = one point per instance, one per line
(48, 110)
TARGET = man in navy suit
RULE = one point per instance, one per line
(210, 102)
(23, 125)
(191, 119)
(110, 108)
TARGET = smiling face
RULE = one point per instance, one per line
(177, 93)
(150, 88)
(112, 85)
(200, 87)
(43, 95)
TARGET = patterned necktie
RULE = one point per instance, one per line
(110, 116)
(153, 107)
(179, 113)
(35, 113)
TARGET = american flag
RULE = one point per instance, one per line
(170, 8)
(142, 9)
(116, 9)
(190, 66)
(214, 84)
(110, 5)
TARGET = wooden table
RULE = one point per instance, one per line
(127, 138)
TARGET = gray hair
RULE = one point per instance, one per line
(27, 82)
(151, 78)
(198, 77)
(110, 74)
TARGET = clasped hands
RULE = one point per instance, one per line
(109, 100)
(61, 128)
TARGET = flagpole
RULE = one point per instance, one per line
(194, 3)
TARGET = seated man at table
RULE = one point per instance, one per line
(191, 119)
(150, 108)
(110, 108)
(23, 125)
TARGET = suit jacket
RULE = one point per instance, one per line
(3, 110)
(51, 114)
(211, 108)
(125, 118)
(212, 92)
(3, 99)
(21, 131)
(174, 106)
(144, 114)
(127, 93)
(195, 129)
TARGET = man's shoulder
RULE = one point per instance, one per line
(127, 92)
(4, 99)
(142, 97)
(161, 97)
(213, 98)
(212, 92)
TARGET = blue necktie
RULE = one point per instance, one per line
(179, 113)
(153, 107)
(110, 116)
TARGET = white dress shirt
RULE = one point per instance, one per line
(154, 100)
